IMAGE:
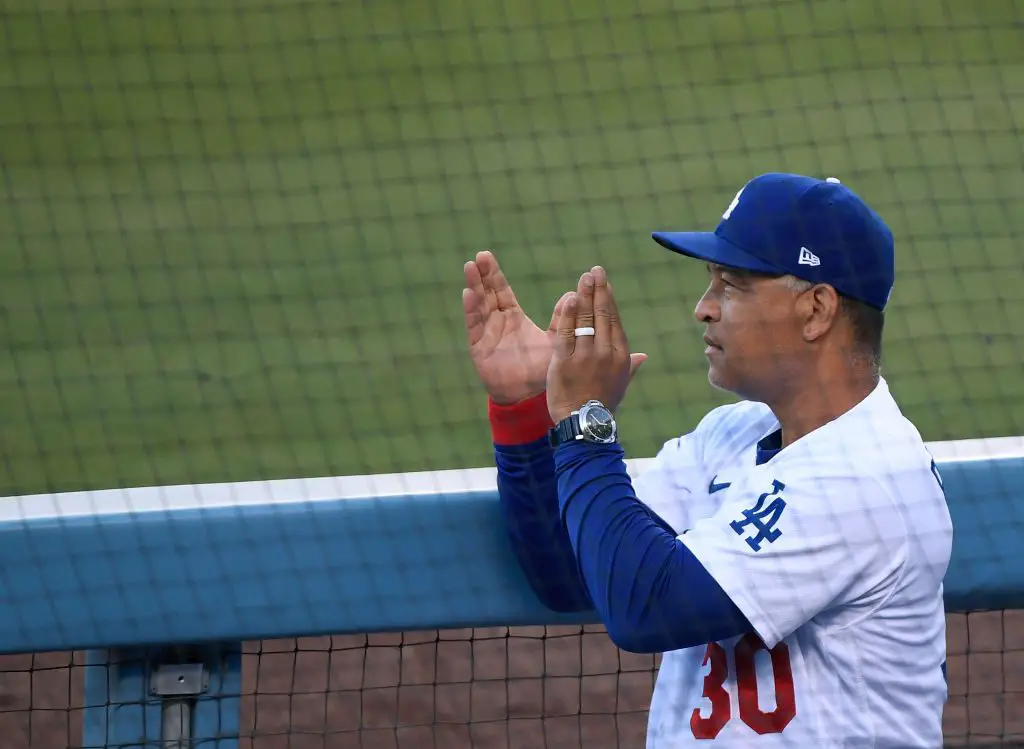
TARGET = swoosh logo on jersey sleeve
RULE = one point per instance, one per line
(713, 487)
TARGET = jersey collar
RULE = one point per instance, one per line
(770, 446)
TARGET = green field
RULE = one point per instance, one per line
(233, 235)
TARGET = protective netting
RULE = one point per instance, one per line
(498, 688)
(232, 242)
(233, 234)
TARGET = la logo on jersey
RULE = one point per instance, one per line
(763, 518)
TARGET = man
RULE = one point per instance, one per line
(787, 555)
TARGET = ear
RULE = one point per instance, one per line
(818, 307)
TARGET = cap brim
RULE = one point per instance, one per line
(706, 245)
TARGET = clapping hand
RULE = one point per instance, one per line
(510, 353)
(597, 366)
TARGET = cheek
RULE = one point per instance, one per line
(744, 326)
(754, 334)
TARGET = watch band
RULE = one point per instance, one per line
(567, 430)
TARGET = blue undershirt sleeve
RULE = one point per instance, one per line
(651, 592)
(528, 495)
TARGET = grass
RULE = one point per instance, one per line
(233, 237)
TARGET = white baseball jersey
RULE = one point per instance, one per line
(835, 549)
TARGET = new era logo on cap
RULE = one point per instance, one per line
(774, 214)
(808, 258)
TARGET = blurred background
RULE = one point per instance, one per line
(232, 248)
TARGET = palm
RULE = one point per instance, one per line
(510, 352)
(512, 355)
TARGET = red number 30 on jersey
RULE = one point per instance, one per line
(746, 686)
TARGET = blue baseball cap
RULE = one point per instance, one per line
(814, 229)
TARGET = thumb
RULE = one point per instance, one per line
(565, 335)
(556, 314)
(635, 360)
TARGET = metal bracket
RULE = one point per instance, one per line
(178, 684)
(187, 679)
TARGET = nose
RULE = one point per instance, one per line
(707, 309)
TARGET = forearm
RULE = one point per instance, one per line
(651, 593)
(528, 495)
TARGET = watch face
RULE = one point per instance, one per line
(598, 424)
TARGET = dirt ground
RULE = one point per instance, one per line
(553, 688)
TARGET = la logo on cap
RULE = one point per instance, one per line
(735, 202)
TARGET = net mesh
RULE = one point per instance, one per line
(232, 247)
(497, 688)
(232, 232)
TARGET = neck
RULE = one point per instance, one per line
(801, 411)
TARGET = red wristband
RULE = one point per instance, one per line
(519, 423)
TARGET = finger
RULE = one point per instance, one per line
(635, 360)
(557, 312)
(494, 281)
(475, 307)
(602, 308)
(585, 306)
(471, 271)
(565, 334)
(473, 310)
(618, 332)
(475, 283)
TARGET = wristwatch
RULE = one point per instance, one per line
(593, 422)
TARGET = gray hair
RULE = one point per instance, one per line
(795, 284)
(866, 322)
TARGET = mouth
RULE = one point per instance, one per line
(710, 343)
